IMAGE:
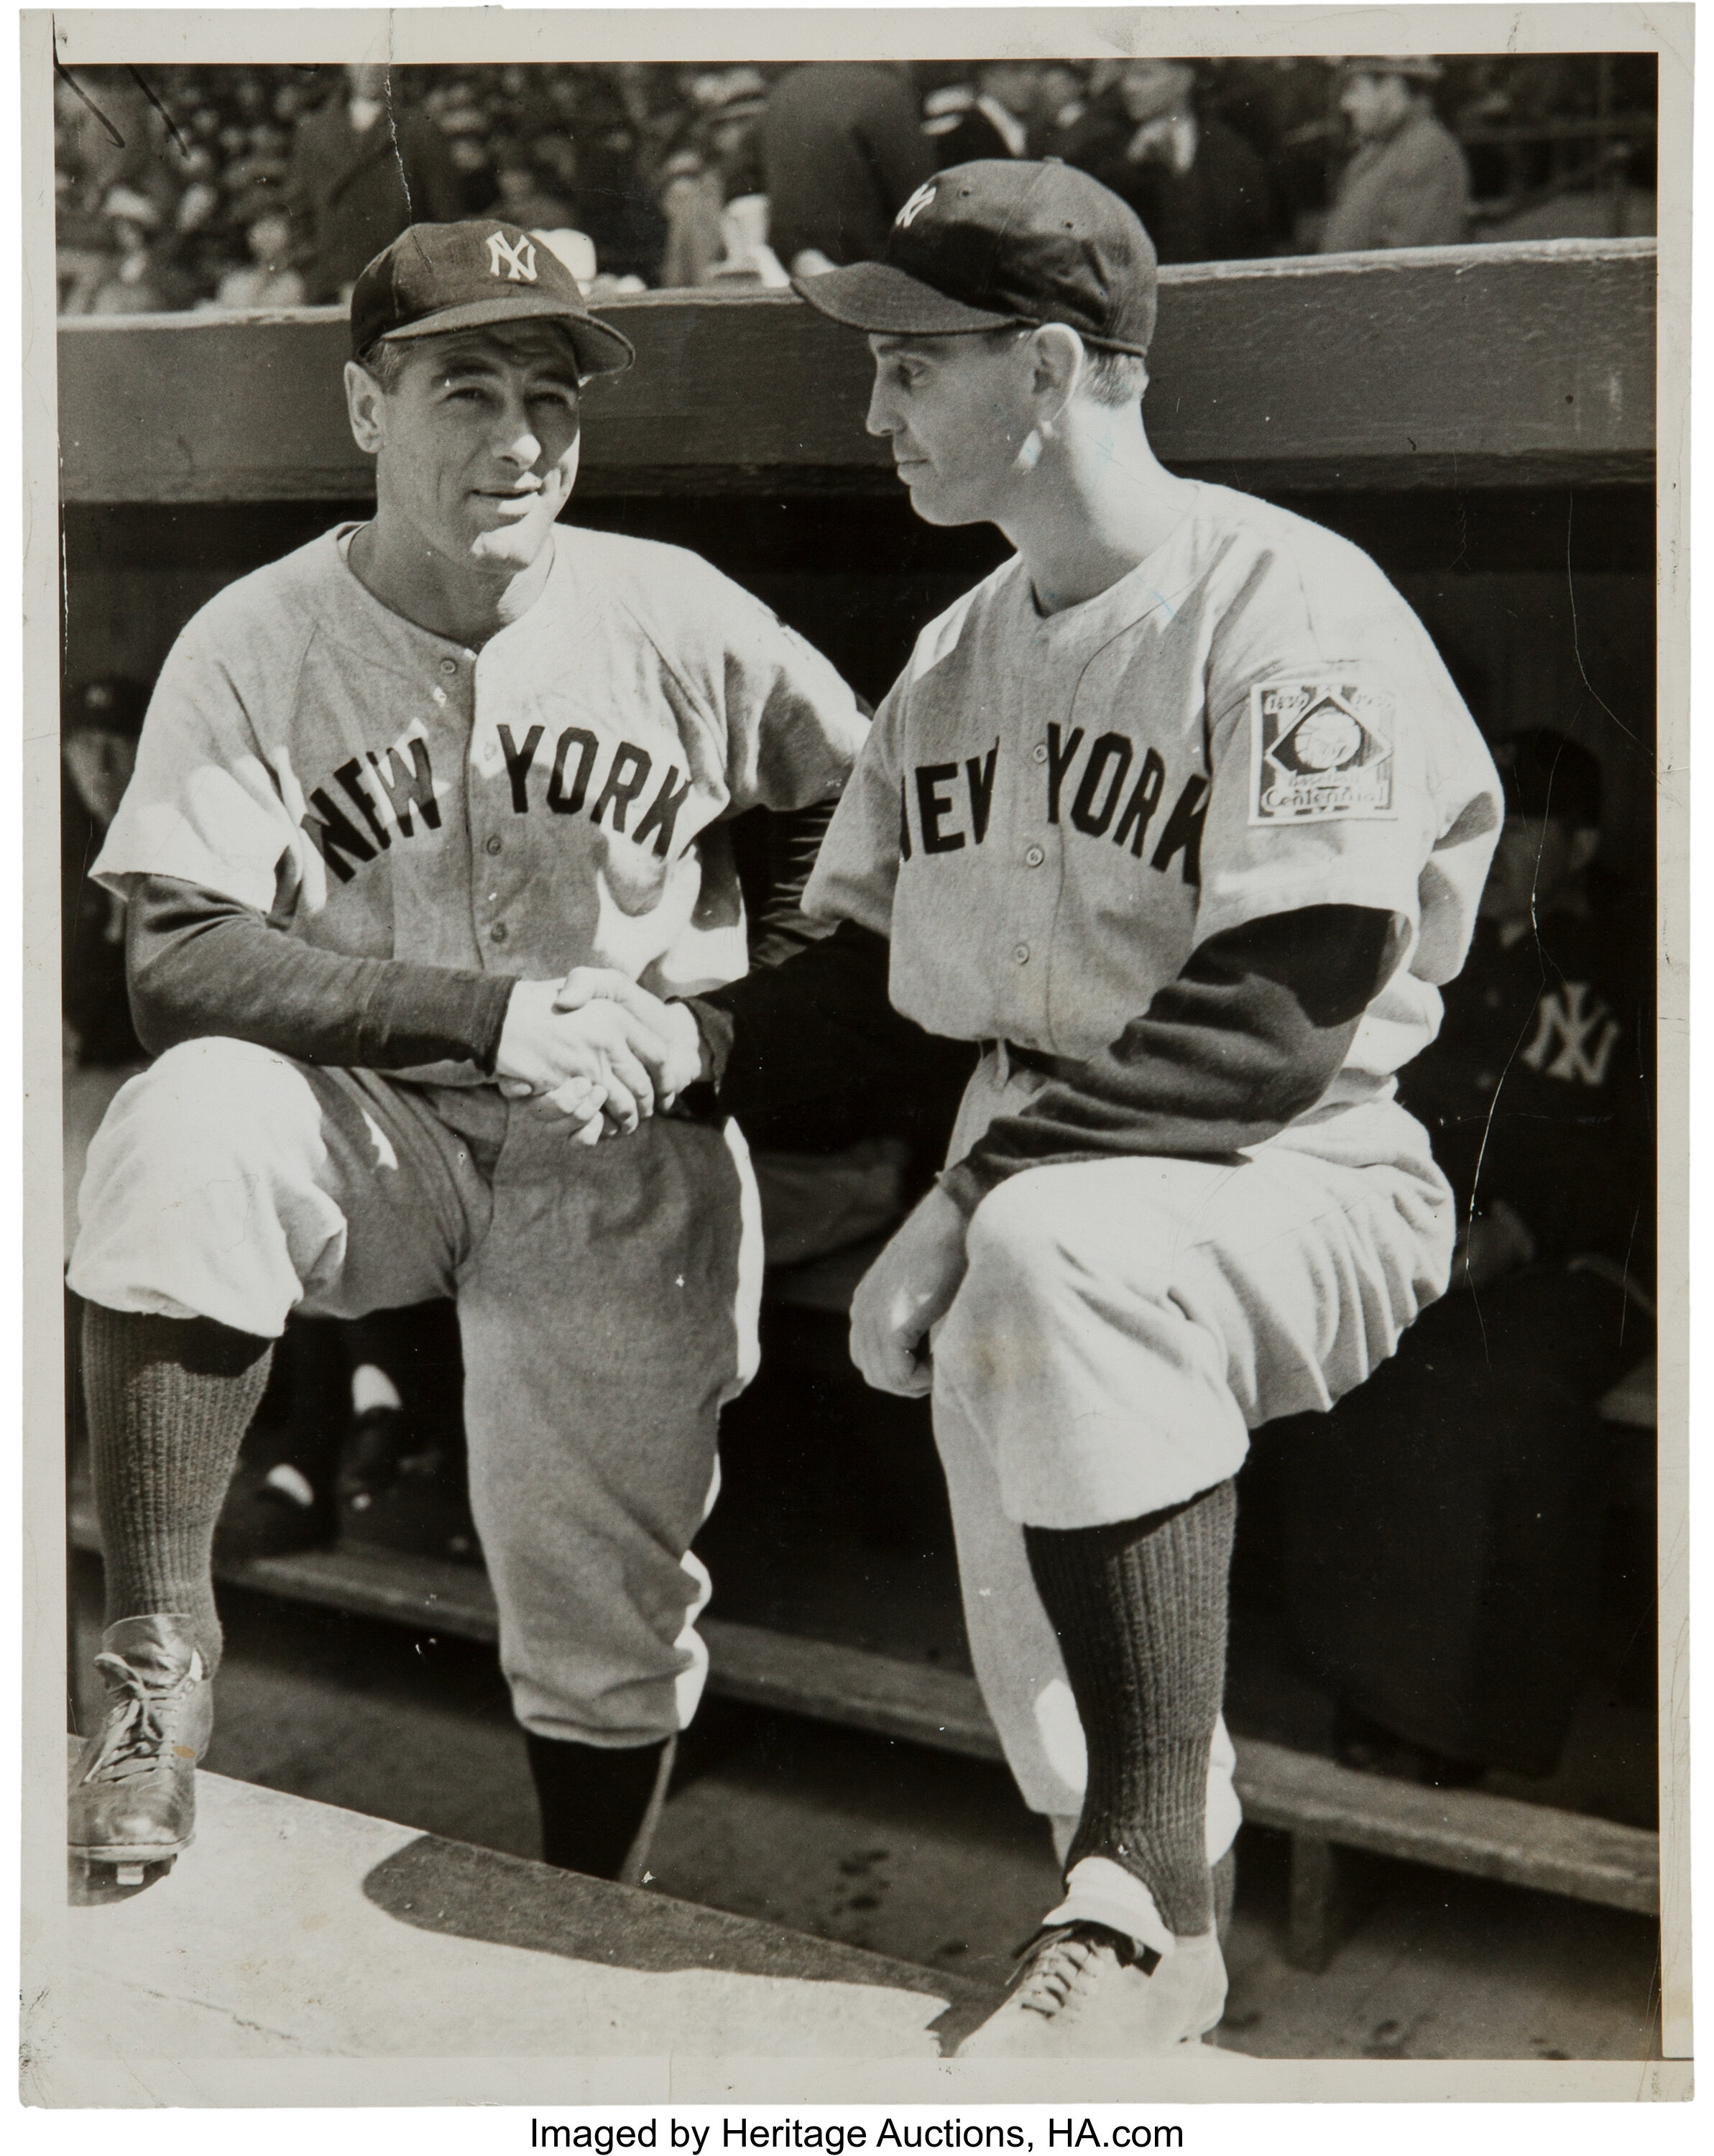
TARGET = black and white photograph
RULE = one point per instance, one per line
(856, 1256)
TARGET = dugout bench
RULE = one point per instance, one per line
(1480, 420)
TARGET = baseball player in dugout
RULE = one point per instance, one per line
(413, 810)
(1179, 815)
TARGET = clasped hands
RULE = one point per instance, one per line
(597, 1049)
(606, 1053)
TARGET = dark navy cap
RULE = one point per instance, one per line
(1003, 241)
(435, 278)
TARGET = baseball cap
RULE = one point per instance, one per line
(434, 278)
(1001, 241)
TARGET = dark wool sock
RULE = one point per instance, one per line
(594, 1800)
(170, 1399)
(1140, 1609)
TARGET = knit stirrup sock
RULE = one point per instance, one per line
(170, 1399)
(1140, 1609)
(595, 1800)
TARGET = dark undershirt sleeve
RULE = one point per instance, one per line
(199, 964)
(1249, 1036)
(783, 928)
(813, 1025)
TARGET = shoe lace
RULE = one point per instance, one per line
(1060, 1960)
(136, 1733)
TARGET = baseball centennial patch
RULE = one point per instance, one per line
(1318, 750)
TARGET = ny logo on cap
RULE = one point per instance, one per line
(519, 260)
(918, 202)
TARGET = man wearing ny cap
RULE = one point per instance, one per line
(403, 802)
(1179, 815)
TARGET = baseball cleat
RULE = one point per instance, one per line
(133, 1800)
(1086, 1991)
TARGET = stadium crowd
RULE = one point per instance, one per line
(243, 186)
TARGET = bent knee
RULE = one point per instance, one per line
(201, 1196)
(206, 1113)
(207, 1098)
(1050, 1227)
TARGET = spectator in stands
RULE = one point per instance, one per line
(1408, 185)
(718, 163)
(1061, 100)
(268, 280)
(841, 152)
(466, 126)
(1444, 1523)
(1286, 109)
(136, 282)
(1201, 191)
(987, 117)
(614, 205)
(363, 168)
(520, 197)
(108, 135)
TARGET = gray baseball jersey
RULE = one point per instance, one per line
(1051, 813)
(547, 802)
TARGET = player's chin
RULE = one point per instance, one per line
(514, 544)
(933, 500)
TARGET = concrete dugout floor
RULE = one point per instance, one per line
(919, 1856)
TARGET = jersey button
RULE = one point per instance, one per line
(449, 666)
(494, 844)
(1034, 858)
(1021, 953)
(1040, 751)
(497, 933)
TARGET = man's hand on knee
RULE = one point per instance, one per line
(908, 1289)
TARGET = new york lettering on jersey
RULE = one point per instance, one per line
(550, 800)
(1055, 808)
(392, 788)
(1079, 782)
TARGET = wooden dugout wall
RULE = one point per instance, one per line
(1481, 420)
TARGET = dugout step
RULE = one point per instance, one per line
(1324, 1807)
(294, 1930)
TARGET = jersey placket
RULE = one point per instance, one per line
(453, 687)
(1036, 846)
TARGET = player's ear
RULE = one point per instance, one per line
(1057, 364)
(363, 396)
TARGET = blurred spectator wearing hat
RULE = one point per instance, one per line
(1444, 1524)
(1408, 185)
(842, 151)
(712, 190)
(988, 117)
(363, 168)
(269, 279)
(1202, 192)
(134, 283)
(1061, 100)
(520, 195)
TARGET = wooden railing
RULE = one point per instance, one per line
(1517, 366)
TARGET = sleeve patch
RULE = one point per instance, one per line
(1320, 751)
